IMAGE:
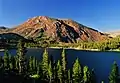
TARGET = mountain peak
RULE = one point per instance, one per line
(3, 27)
(62, 30)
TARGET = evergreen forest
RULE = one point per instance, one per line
(23, 69)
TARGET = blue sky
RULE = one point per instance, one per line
(103, 15)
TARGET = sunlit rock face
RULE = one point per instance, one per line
(62, 30)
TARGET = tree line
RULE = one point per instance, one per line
(109, 44)
(23, 69)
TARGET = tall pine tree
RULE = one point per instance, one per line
(39, 69)
(77, 72)
(21, 51)
(34, 65)
(10, 60)
(54, 71)
(30, 65)
(69, 76)
(6, 60)
(113, 77)
(59, 72)
(64, 65)
(16, 63)
(87, 75)
(45, 62)
(50, 73)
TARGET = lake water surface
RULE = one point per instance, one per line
(100, 61)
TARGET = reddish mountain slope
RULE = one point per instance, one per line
(63, 30)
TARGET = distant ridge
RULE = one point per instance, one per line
(2, 27)
(114, 33)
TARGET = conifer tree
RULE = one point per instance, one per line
(50, 73)
(87, 75)
(39, 69)
(53, 67)
(64, 61)
(52, 62)
(34, 65)
(77, 72)
(45, 63)
(6, 60)
(31, 65)
(64, 65)
(16, 63)
(11, 63)
(113, 77)
(22, 59)
(54, 71)
(69, 76)
(59, 72)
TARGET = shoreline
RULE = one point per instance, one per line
(75, 48)
(2, 50)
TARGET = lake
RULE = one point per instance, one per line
(100, 61)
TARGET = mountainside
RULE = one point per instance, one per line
(62, 30)
(11, 36)
(3, 29)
